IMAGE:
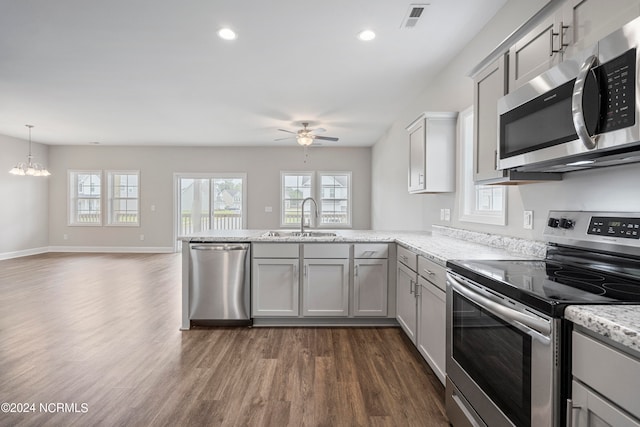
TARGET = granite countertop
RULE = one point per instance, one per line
(620, 323)
(440, 245)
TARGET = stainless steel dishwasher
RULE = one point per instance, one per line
(219, 291)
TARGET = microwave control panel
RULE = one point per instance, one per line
(627, 228)
(617, 86)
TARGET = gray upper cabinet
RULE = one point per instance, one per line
(432, 140)
(574, 26)
(489, 86)
(590, 20)
(537, 51)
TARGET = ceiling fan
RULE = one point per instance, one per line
(306, 136)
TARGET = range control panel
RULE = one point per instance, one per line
(624, 227)
(610, 231)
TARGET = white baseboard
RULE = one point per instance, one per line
(25, 252)
(114, 249)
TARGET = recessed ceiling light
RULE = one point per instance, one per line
(366, 35)
(227, 34)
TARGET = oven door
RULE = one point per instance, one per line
(501, 357)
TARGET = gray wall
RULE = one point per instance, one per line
(607, 189)
(23, 215)
(157, 166)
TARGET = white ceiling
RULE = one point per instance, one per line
(154, 72)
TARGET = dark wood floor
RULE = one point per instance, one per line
(99, 333)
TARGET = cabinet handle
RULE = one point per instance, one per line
(421, 179)
(305, 271)
(559, 34)
(417, 290)
(295, 271)
(355, 270)
(495, 159)
(570, 409)
(429, 272)
(411, 286)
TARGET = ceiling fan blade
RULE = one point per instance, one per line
(282, 139)
(288, 131)
(326, 138)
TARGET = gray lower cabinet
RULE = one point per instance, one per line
(370, 280)
(325, 279)
(406, 302)
(325, 287)
(605, 385)
(432, 326)
(275, 280)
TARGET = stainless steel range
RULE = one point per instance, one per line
(507, 342)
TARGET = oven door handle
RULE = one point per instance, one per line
(538, 325)
(577, 110)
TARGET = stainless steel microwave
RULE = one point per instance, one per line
(581, 114)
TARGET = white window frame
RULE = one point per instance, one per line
(469, 191)
(283, 174)
(72, 198)
(110, 198)
(316, 193)
(177, 176)
(348, 224)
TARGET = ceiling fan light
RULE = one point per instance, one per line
(305, 140)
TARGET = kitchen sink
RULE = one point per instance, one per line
(299, 234)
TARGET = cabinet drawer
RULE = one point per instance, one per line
(275, 250)
(433, 272)
(326, 250)
(408, 258)
(370, 250)
(617, 381)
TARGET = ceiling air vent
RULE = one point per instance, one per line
(413, 15)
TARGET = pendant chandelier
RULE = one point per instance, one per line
(29, 168)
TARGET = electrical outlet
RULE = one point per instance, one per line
(153, 208)
(441, 214)
(527, 220)
(142, 237)
(65, 236)
(447, 214)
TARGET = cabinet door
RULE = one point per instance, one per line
(274, 287)
(440, 134)
(432, 327)
(370, 287)
(591, 20)
(536, 52)
(406, 303)
(591, 410)
(489, 86)
(417, 155)
(325, 287)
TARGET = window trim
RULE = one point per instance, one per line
(72, 198)
(312, 176)
(349, 223)
(316, 193)
(177, 176)
(110, 198)
(468, 189)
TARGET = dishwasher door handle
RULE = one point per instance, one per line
(219, 247)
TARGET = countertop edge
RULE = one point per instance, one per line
(619, 323)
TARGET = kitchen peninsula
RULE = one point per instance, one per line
(438, 246)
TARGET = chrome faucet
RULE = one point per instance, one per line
(302, 213)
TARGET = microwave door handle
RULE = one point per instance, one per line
(577, 111)
(540, 326)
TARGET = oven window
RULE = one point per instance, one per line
(496, 356)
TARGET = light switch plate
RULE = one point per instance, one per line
(527, 220)
(268, 208)
(447, 214)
